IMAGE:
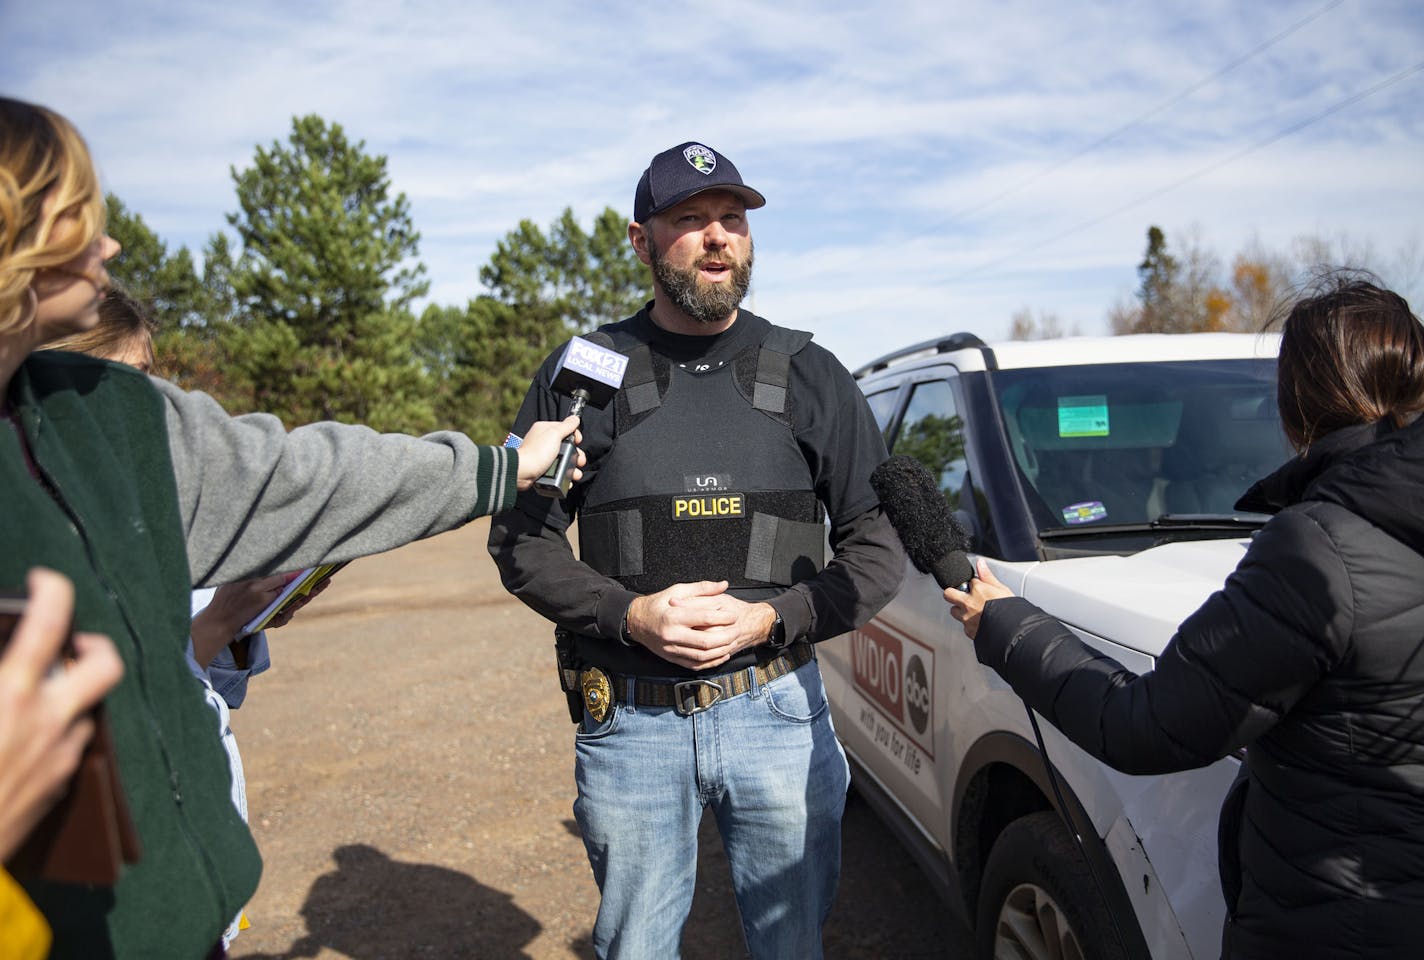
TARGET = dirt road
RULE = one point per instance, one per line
(410, 779)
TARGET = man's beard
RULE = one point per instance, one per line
(702, 301)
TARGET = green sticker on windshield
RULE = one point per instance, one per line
(1083, 416)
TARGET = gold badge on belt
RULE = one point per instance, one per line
(597, 693)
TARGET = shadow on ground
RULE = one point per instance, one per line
(374, 908)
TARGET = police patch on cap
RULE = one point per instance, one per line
(686, 170)
(703, 160)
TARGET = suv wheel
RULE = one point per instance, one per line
(1039, 899)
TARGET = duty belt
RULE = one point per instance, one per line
(692, 695)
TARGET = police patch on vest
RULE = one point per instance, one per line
(708, 507)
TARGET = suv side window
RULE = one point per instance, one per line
(932, 431)
(882, 407)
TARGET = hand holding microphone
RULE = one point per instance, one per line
(967, 606)
(542, 447)
(590, 371)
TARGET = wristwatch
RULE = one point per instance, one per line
(777, 638)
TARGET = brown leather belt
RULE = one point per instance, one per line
(697, 694)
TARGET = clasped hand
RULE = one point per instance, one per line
(698, 625)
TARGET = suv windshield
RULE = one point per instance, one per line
(1130, 443)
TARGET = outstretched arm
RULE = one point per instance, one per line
(255, 498)
(1233, 669)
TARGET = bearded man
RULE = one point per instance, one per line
(687, 622)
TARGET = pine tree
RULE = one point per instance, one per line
(324, 283)
(542, 289)
(573, 279)
(168, 285)
(1157, 275)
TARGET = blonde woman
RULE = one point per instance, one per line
(137, 491)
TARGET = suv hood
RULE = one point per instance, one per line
(1135, 601)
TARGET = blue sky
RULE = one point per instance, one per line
(929, 166)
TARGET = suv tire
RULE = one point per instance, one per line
(1039, 898)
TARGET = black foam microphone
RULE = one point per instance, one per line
(590, 371)
(935, 541)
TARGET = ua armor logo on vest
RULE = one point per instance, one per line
(707, 507)
(710, 481)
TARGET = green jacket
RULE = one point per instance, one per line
(150, 491)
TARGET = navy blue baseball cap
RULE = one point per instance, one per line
(685, 170)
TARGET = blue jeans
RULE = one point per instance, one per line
(769, 766)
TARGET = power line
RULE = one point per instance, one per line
(1152, 195)
(1141, 118)
(1201, 172)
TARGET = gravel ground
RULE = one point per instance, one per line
(410, 780)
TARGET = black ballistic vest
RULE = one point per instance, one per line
(704, 480)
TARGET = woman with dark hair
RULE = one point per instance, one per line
(137, 491)
(1311, 656)
(124, 333)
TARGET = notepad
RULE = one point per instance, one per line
(302, 583)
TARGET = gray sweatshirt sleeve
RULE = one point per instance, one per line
(255, 498)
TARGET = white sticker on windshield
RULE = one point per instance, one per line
(1083, 416)
(1085, 512)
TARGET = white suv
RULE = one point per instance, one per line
(1099, 477)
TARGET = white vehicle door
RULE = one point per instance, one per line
(898, 664)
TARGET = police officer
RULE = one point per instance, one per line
(687, 622)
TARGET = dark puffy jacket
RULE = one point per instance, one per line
(1312, 656)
